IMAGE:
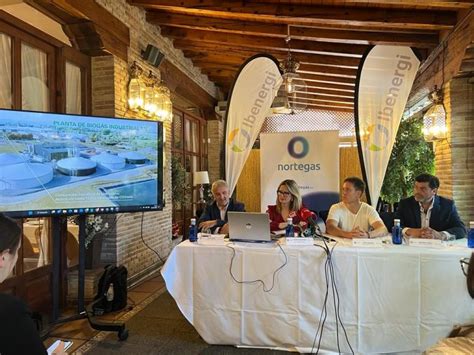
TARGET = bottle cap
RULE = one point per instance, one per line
(396, 220)
(289, 220)
(471, 224)
(193, 220)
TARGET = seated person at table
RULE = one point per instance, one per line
(18, 334)
(353, 218)
(214, 216)
(427, 215)
(288, 204)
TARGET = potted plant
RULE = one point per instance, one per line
(411, 156)
(179, 192)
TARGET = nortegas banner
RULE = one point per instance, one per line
(252, 94)
(385, 78)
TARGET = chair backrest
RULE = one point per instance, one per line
(320, 201)
(387, 218)
(470, 276)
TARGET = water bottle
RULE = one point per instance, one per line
(290, 231)
(193, 231)
(470, 235)
(396, 232)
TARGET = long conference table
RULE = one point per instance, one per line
(391, 299)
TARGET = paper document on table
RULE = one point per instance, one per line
(211, 239)
(426, 243)
(299, 241)
(52, 348)
(367, 242)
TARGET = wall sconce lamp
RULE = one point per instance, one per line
(200, 178)
(434, 120)
(136, 88)
(149, 96)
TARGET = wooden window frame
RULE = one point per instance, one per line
(201, 156)
(57, 54)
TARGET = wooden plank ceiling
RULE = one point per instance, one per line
(328, 37)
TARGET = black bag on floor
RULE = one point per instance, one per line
(112, 290)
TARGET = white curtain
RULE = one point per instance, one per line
(73, 89)
(5, 71)
(34, 79)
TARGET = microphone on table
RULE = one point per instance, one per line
(316, 230)
(314, 227)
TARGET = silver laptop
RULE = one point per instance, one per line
(249, 227)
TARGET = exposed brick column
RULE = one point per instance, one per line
(462, 145)
(455, 156)
(216, 159)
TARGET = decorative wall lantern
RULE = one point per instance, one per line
(147, 95)
(136, 88)
(434, 120)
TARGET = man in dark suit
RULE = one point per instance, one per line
(214, 216)
(427, 215)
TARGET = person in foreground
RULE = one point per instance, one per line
(427, 215)
(214, 216)
(353, 218)
(18, 334)
(288, 204)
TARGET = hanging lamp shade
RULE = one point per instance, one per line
(293, 86)
(434, 120)
(434, 123)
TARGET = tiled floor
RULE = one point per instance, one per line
(79, 331)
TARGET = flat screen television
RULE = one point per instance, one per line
(56, 164)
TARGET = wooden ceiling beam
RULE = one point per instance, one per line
(388, 4)
(315, 97)
(263, 42)
(419, 40)
(225, 49)
(180, 84)
(315, 68)
(329, 92)
(444, 63)
(328, 106)
(330, 86)
(90, 27)
(328, 16)
(310, 78)
(303, 69)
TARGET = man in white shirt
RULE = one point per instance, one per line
(352, 218)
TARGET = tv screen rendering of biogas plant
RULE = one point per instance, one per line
(56, 164)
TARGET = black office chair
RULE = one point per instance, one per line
(387, 218)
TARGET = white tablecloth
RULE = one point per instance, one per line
(395, 298)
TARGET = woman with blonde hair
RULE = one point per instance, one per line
(288, 204)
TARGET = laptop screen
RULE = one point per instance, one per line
(249, 226)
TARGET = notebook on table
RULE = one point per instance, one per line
(249, 227)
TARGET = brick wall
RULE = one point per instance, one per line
(126, 243)
(461, 104)
(455, 156)
(215, 131)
